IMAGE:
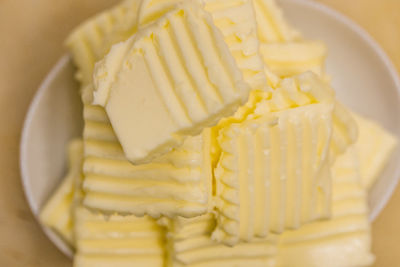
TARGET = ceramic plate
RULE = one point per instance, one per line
(362, 76)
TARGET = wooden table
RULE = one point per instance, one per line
(32, 34)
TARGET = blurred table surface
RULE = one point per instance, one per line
(31, 42)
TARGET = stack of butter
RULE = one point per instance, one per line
(212, 138)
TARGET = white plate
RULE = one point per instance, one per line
(363, 77)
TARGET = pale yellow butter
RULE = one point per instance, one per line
(190, 244)
(375, 145)
(273, 171)
(237, 23)
(57, 212)
(177, 183)
(292, 58)
(98, 239)
(272, 26)
(105, 163)
(170, 80)
(91, 40)
(103, 240)
(344, 240)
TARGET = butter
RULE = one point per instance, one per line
(56, 213)
(170, 80)
(177, 183)
(375, 145)
(272, 26)
(273, 171)
(190, 245)
(236, 21)
(117, 240)
(344, 240)
(345, 131)
(292, 58)
(106, 168)
(90, 41)
(100, 240)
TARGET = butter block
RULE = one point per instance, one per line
(190, 245)
(345, 239)
(258, 187)
(273, 172)
(375, 145)
(292, 58)
(118, 241)
(56, 213)
(177, 183)
(170, 80)
(272, 26)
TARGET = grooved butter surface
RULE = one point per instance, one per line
(171, 79)
(117, 241)
(344, 240)
(91, 41)
(237, 23)
(107, 168)
(190, 244)
(176, 183)
(273, 170)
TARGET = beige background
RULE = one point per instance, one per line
(32, 34)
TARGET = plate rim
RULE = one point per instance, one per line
(33, 205)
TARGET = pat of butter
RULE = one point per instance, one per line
(345, 239)
(190, 244)
(273, 171)
(375, 145)
(272, 26)
(177, 183)
(114, 240)
(56, 213)
(292, 58)
(170, 80)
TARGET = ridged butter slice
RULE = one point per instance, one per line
(118, 241)
(236, 21)
(170, 80)
(375, 145)
(273, 173)
(177, 183)
(57, 211)
(345, 239)
(292, 58)
(190, 244)
(272, 26)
